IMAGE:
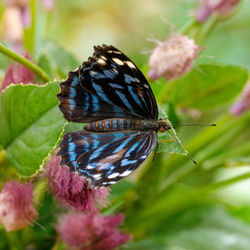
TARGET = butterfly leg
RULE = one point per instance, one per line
(169, 140)
(157, 146)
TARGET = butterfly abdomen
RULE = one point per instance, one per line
(109, 125)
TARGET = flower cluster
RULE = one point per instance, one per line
(73, 190)
(243, 104)
(92, 232)
(17, 73)
(16, 17)
(16, 209)
(172, 57)
(83, 228)
(221, 7)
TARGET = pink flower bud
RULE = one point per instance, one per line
(92, 232)
(16, 3)
(172, 57)
(73, 190)
(221, 7)
(12, 25)
(48, 4)
(16, 209)
(243, 104)
(17, 73)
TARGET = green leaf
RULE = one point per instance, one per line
(44, 63)
(209, 86)
(30, 124)
(144, 245)
(173, 146)
(216, 230)
(60, 60)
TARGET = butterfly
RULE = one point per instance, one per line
(111, 95)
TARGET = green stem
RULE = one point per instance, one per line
(206, 149)
(32, 35)
(206, 29)
(241, 150)
(215, 186)
(188, 26)
(3, 155)
(25, 62)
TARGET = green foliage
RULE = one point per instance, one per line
(55, 60)
(215, 229)
(34, 127)
(208, 86)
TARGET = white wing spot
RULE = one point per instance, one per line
(130, 64)
(104, 58)
(92, 73)
(89, 167)
(118, 61)
(112, 182)
(97, 176)
(127, 172)
(144, 157)
(114, 51)
(101, 61)
(113, 175)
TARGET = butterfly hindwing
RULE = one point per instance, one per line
(77, 143)
(106, 157)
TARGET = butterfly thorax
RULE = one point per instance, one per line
(120, 124)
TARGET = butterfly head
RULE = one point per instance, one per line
(163, 125)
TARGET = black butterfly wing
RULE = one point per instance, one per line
(79, 105)
(108, 85)
(105, 158)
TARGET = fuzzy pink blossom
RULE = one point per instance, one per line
(243, 104)
(17, 73)
(221, 7)
(172, 57)
(13, 31)
(16, 17)
(73, 190)
(92, 232)
(48, 4)
(16, 3)
(16, 209)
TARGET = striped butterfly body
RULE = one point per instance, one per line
(111, 94)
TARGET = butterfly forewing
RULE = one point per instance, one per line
(106, 158)
(108, 85)
(79, 105)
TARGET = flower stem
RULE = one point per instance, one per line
(206, 144)
(207, 27)
(25, 62)
(222, 184)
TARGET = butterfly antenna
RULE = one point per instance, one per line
(189, 156)
(191, 125)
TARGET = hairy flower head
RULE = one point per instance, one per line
(73, 190)
(16, 208)
(92, 232)
(221, 7)
(172, 57)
